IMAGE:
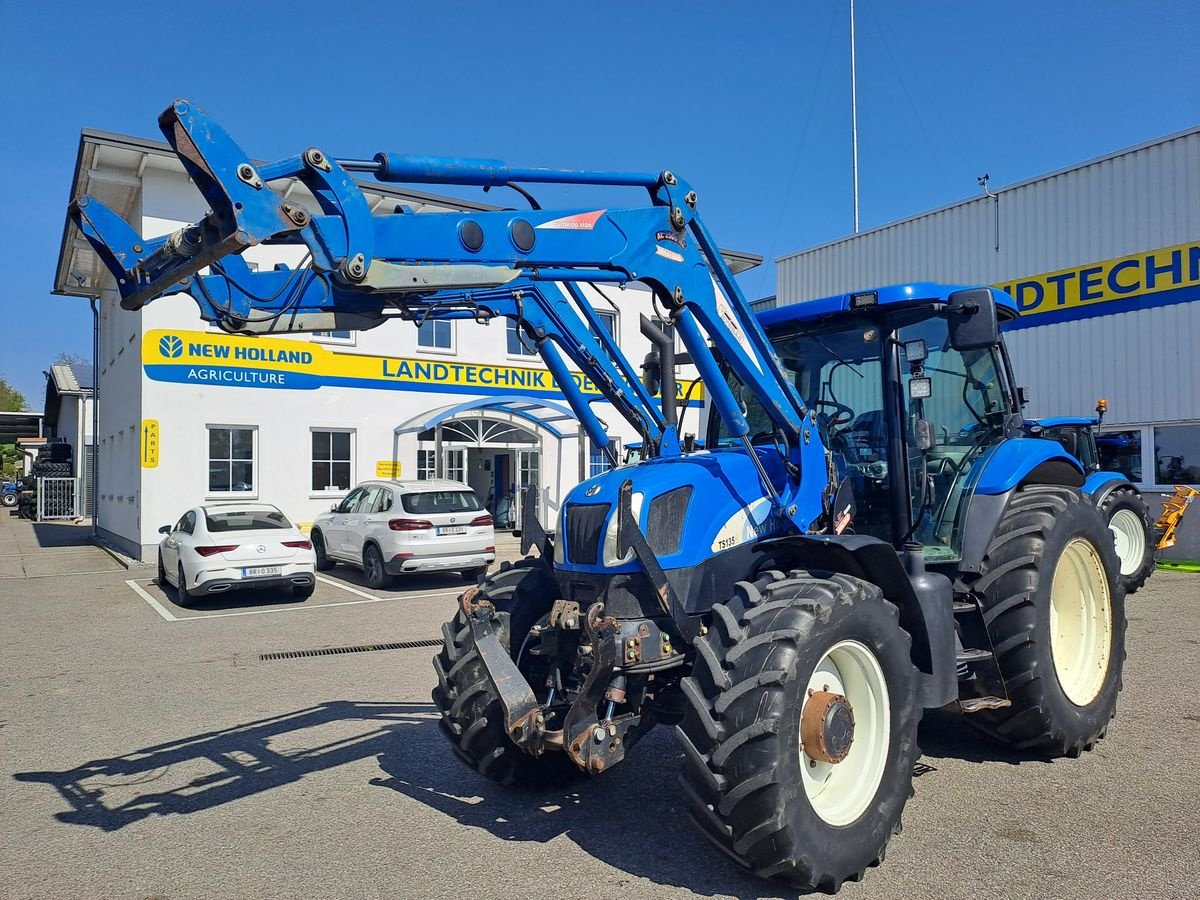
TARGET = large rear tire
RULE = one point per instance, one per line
(761, 786)
(1055, 610)
(472, 714)
(1129, 520)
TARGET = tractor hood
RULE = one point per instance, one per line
(689, 508)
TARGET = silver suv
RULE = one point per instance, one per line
(387, 528)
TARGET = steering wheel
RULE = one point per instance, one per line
(839, 409)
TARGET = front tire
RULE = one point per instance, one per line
(1055, 610)
(162, 571)
(8, 498)
(472, 714)
(762, 784)
(1128, 519)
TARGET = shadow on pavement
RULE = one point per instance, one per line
(219, 767)
(249, 598)
(52, 534)
(401, 584)
(948, 735)
(634, 820)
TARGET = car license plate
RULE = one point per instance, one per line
(452, 529)
(260, 570)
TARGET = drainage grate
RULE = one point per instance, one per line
(361, 648)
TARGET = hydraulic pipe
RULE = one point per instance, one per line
(666, 365)
(408, 169)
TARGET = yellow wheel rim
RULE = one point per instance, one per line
(1080, 622)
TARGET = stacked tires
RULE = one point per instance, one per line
(53, 461)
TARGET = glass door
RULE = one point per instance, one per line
(528, 473)
(454, 463)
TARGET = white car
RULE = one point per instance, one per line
(391, 527)
(229, 546)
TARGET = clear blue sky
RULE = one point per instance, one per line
(748, 100)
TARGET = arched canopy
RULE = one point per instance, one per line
(543, 413)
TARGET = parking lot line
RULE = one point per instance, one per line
(158, 607)
(370, 598)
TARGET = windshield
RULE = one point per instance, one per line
(430, 502)
(245, 520)
(837, 367)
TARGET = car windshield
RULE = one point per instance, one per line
(430, 502)
(245, 520)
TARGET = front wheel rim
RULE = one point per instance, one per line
(1129, 536)
(840, 793)
(1080, 622)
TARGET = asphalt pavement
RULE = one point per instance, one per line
(148, 751)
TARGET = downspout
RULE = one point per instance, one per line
(94, 447)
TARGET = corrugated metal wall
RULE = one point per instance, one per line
(1145, 198)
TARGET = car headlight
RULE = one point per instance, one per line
(609, 554)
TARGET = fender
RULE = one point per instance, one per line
(1019, 461)
(1100, 484)
(925, 599)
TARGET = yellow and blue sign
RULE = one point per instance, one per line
(149, 443)
(203, 358)
(1142, 280)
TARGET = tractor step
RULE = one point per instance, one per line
(964, 606)
(970, 655)
(978, 704)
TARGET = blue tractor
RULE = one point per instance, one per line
(863, 537)
(1117, 498)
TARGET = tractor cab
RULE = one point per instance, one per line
(911, 389)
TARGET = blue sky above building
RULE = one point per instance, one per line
(749, 101)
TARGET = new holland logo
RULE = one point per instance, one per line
(171, 347)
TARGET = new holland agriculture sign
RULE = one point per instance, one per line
(203, 358)
(1142, 280)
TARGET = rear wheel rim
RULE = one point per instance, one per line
(841, 792)
(1129, 535)
(1080, 622)
(372, 566)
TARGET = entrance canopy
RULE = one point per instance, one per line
(543, 413)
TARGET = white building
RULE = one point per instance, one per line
(190, 414)
(1104, 259)
(68, 417)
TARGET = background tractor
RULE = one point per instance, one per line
(1118, 500)
(866, 534)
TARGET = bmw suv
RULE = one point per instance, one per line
(389, 528)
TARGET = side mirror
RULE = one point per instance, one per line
(335, 507)
(164, 529)
(973, 323)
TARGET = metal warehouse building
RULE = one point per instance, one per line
(1104, 261)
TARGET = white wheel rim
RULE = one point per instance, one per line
(1080, 622)
(1130, 537)
(841, 792)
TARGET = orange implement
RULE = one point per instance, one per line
(1172, 514)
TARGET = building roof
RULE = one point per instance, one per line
(66, 380)
(17, 425)
(110, 167)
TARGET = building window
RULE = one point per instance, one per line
(332, 459)
(598, 462)
(436, 335)
(609, 321)
(1177, 454)
(340, 336)
(231, 459)
(518, 344)
(1121, 451)
(456, 465)
(426, 465)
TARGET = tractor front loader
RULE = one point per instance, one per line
(792, 621)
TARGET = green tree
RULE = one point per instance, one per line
(10, 461)
(11, 400)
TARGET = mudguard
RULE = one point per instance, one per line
(1100, 484)
(927, 613)
(1019, 461)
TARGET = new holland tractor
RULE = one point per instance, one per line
(862, 538)
(1119, 501)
